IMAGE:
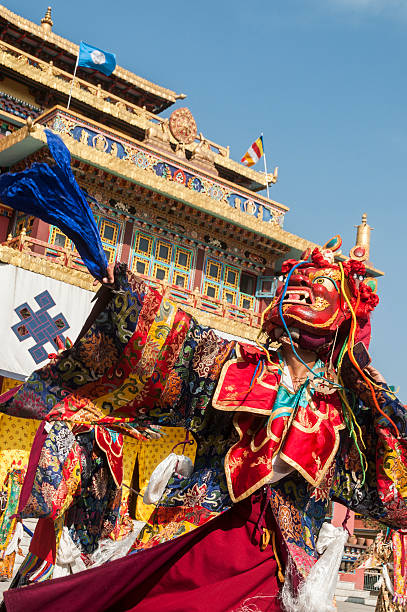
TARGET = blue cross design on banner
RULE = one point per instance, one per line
(40, 326)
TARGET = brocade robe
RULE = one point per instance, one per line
(143, 360)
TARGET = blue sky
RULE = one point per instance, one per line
(324, 80)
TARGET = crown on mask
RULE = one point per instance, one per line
(362, 288)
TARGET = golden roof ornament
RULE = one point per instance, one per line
(363, 231)
(182, 126)
(46, 22)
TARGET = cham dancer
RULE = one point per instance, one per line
(282, 428)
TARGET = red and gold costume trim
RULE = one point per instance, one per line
(304, 431)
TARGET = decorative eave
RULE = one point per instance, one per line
(60, 82)
(29, 139)
(46, 267)
(72, 48)
(218, 158)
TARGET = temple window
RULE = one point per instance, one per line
(181, 280)
(109, 233)
(161, 259)
(211, 290)
(163, 251)
(247, 283)
(225, 282)
(24, 221)
(266, 286)
(59, 239)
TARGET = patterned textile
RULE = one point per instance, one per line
(216, 568)
(9, 383)
(303, 426)
(16, 438)
(12, 483)
(111, 443)
(151, 453)
(124, 523)
(144, 361)
(382, 494)
(34, 569)
(94, 513)
(400, 566)
(8, 524)
(7, 566)
(385, 603)
(57, 477)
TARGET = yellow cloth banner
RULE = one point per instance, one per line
(152, 453)
(16, 438)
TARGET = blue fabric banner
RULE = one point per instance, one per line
(52, 194)
(92, 57)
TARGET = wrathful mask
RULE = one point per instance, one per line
(316, 297)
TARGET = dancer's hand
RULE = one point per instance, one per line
(375, 374)
(108, 280)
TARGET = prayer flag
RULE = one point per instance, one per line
(92, 57)
(255, 152)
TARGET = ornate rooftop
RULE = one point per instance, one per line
(41, 41)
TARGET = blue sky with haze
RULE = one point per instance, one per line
(325, 80)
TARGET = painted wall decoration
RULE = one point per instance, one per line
(40, 325)
(88, 134)
(34, 310)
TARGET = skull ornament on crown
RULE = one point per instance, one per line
(319, 297)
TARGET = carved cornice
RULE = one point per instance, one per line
(73, 49)
(174, 190)
(65, 122)
(14, 138)
(58, 80)
(147, 211)
(46, 267)
(54, 78)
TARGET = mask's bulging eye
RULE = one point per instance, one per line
(327, 282)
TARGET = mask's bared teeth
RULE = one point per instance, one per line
(298, 295)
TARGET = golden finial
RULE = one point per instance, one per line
(46, 22)
(363, 234)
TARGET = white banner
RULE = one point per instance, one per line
(34, 310)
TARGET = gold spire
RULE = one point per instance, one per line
(46, 22)
(363, 234)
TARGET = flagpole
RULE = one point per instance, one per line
(265, 168)
(73, 78)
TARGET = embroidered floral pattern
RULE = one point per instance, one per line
(98, 352)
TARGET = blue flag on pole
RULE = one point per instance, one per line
(92, 57)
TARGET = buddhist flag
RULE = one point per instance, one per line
(92, 57)
(255, 152)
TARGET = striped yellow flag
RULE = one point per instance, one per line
(255, 152)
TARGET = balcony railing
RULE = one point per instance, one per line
(158, 164)
(187, 298)
(94, 95)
